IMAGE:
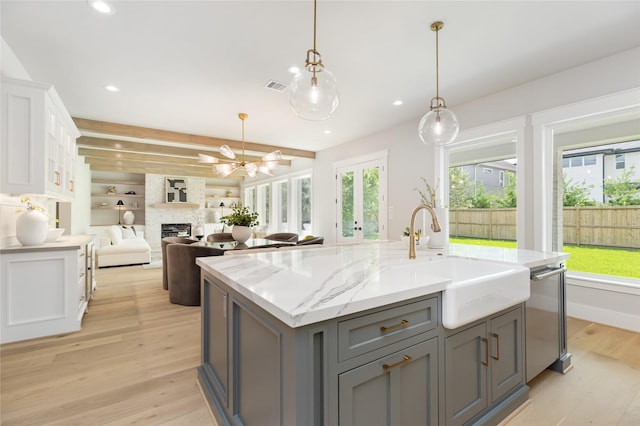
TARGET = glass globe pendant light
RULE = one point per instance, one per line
(313, 94)
(440, 125)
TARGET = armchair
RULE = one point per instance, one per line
(183, 274)
(164, 243)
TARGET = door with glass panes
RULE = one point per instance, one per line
(361, 202)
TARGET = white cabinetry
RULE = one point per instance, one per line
(38, 141)
(45, 289)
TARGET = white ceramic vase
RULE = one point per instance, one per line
(241, 233)
(32, 227)
(128, 217)
(440, 239)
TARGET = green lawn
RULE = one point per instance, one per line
(596, 260)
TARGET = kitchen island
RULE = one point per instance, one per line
(354, 335)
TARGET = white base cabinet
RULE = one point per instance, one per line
(44, 290)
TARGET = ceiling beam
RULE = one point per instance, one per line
(179, 170)
(126, 130)
(151, 157)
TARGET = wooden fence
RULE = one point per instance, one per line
(595, 226)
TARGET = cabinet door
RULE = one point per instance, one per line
(506, 353)
(466, 374)
(399, 389)
(215, 342)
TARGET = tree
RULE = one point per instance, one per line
(575, 193)
(510, 196)
(623, 191)
(460, 189)
(481, 198)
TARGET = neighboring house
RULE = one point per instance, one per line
(595, 165)
(493, 175)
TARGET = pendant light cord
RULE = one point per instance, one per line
(314, 26)
(437, 66)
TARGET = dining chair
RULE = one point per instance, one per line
(183, 274)
(163, 244)
(282, 236)
(220, 237)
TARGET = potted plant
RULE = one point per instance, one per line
(242, 221)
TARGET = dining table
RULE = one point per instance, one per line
(250, 243)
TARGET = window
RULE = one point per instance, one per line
(565, 163)
(302, 205)
(263, 206)
(619, 161)
(283, 205)
(590, 160)
(483, 209)
(250, 198)
(576, 162)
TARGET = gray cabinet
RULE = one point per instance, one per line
(483, 364)
(399, 389)
(215, 339)
(392, 365)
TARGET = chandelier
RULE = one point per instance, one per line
(439, 126)
(248, 168)
(314, 94)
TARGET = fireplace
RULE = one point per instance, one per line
(175, 230)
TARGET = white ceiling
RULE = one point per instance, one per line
(192, 66)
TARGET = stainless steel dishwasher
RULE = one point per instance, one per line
(546, 322)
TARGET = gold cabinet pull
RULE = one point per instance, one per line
(402, 323)
(71, 185)
(497, 357)
(405, 359)
(57, 175)
(486, 351)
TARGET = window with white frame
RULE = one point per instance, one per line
(250, 198)
(620, 161)
(283, 205)
(263, 206)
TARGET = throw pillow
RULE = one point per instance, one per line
(128, 233)
(115, 234)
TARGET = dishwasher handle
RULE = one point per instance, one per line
(550, 272)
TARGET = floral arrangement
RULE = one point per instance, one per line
(241, 216)
(33, 206)
(428, 196)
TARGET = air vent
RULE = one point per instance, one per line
(276, 85)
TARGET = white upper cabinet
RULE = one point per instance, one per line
(38, 141)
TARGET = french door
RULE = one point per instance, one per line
(361, 202)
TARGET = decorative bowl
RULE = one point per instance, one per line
(54, 234)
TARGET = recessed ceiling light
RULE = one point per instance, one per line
(111, 88)
(327, 132)
(101, 6)
(398, 102)
(294, 70)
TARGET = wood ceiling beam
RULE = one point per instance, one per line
(149, 156)
(171, 171)
(126, 130)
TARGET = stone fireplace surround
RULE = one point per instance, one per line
(155, 217)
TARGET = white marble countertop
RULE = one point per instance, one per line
(65, 242)
(301, 287)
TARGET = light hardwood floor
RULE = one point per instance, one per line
(134, 363)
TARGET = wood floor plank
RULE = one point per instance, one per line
(135, 359)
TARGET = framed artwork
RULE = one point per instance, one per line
(176, 190)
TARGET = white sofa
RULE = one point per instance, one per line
(123, 245)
